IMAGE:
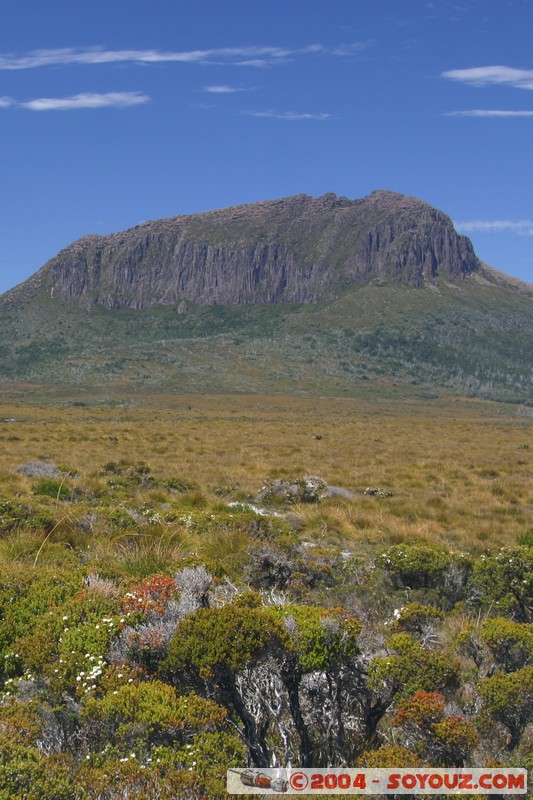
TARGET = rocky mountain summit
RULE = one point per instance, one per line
(303, 294)
(294, 250)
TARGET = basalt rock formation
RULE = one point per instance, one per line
(322, 295)
(294, 250)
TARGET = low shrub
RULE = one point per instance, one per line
(411, 668)
(507, 699)
(504, 581)
(140, 716)
(510, 643)
(50, 487)
(26, 773)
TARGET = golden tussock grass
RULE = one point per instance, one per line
(459, 472)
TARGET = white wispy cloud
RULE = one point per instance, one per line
(289, 115)
(5, 102)
(487, 112)
(351, 49)
(87, 100)
(495, 75)
(254, 62)
(254, 55)
(225, 89)
(99, 55)
(523, 227)
(251, 55)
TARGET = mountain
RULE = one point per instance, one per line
(295, 250)
(325, 293)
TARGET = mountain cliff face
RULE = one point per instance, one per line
(228, 301)
(294, 250)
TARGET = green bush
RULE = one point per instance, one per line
(214, 640)
(428, 567)
(510, 643)
(454, 740)
(504, 581)
(410, 669)
(391, 756)
(415, 566)
(525, 539)
(15, 515)
(126, 777)
(27, 774)
(441, 740)
(68, 643)
(139, 716)
(20, 720)
(508, 699)
(49, 487)
(415, 618)
(26, 596)
(323, 639)
(206, 759)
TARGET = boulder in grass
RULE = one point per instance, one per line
(39, 469)
(309, 489)
(377, 491)
(338, 491)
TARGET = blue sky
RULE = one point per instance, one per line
(113, 112)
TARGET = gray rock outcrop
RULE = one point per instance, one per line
(294, 250)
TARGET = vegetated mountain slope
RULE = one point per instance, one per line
(300, 294)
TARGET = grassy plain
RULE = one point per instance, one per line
(459, 472)
(128, 549)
